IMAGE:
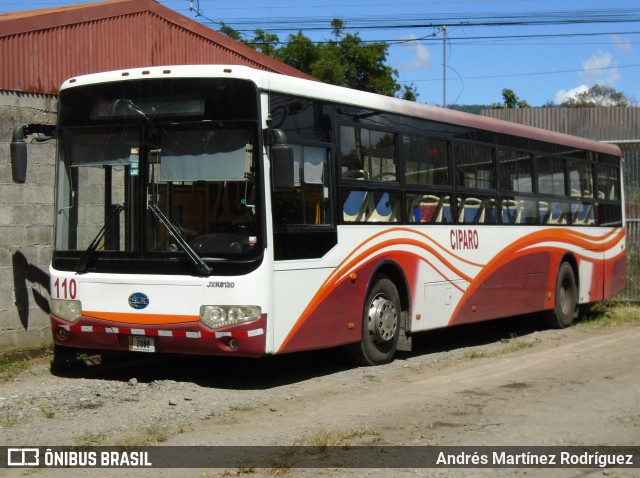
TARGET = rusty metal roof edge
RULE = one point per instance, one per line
(26, 21)
(43, 19)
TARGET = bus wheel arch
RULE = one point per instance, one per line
(384, 314)
(565, 308)
(394, 272)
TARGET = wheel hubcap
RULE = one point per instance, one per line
(383, 319)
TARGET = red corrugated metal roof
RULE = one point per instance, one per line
(39, 49)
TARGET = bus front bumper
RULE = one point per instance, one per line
(243, 340)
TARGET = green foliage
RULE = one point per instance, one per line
(597, 95)
(511, 101)
(343, 60)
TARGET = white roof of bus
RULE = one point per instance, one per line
(314, 89)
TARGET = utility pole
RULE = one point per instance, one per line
(444, 66)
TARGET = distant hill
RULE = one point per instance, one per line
(475, 109)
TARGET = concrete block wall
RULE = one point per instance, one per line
(26, 226)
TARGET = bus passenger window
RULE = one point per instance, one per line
(308, 203)
(426, 161)
(607, 182)
(551, 176)
(369, 206)
(474, 166)
(580, 179)
(368, 154)
(608, 214)
(516, 171)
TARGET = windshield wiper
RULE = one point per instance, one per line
(83, 263)
(201, 266)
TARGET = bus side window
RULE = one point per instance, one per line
(426, 161)
(516, 171)
(528, 211)
(474, 166)
(551, 176)
(307, 204)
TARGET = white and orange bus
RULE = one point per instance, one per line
(223, 210)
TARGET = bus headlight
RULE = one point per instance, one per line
(69, 310)
(216, 316)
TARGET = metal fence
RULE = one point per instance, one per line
(632, 199)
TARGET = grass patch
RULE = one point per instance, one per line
(512, 347)
(47, 412)
(152, 436)
(610, 314)
(13, 364)
(324, 438)
(9, 421)
(10, 369)
(90, 438)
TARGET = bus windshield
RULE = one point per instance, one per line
(155, 181)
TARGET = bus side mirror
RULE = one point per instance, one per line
(18, 147)
(282, 164)
(18, 155)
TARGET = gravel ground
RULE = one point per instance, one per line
(498, 384)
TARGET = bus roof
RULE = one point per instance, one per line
(269, 81)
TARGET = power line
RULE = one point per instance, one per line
(454, 20)
(538, 73)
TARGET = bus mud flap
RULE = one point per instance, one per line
(404, 340)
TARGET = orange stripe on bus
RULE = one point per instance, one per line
(146, 319)
(523, 246)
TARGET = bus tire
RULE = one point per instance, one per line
(380, 324)
(566, 303)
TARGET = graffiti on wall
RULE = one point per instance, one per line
(25, 274)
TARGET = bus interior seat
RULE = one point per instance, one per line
(582, 216)
(381, 208)
(543, 212)
(471, 211)
(354, 206)
(556, 215)
(510, 212)
(527, 212)
(445, 211)
(425, 208)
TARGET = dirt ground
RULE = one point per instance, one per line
(504, 383)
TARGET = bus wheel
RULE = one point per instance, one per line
(381, 324)
(562, 315)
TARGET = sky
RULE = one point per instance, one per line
(543, 50)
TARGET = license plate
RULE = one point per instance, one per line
(141, 343)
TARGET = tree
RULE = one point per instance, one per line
(597, 95)
(511, 101)
(343, 60)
